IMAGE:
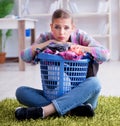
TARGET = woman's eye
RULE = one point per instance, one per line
(66, 28)
(57, 27)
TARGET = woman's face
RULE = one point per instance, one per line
(62, 29)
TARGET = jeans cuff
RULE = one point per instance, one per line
(56, 106)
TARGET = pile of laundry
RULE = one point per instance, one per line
(64, 50)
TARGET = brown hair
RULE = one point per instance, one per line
(61, 13)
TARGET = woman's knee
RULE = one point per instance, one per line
(19, 91)
(95, 83)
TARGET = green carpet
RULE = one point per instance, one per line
(107, 114)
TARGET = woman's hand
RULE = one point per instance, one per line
(79, 49)
(55, 41)
(41, 45)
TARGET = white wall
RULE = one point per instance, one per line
(12, 47)
(115, 30)
(12, 43)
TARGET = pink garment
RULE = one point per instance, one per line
(77, 49)
(47, 50)
(69, 55)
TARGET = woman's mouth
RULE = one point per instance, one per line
(61, 38)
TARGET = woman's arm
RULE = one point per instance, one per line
(90, 45)
(28, 54)
(41, 42)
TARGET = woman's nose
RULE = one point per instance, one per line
(62, 31)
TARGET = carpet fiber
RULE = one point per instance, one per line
(106, 114)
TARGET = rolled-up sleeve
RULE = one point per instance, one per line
(98, 51)
(27, 55)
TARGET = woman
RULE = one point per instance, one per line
(80, 101)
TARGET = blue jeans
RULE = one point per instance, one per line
(86, 92)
